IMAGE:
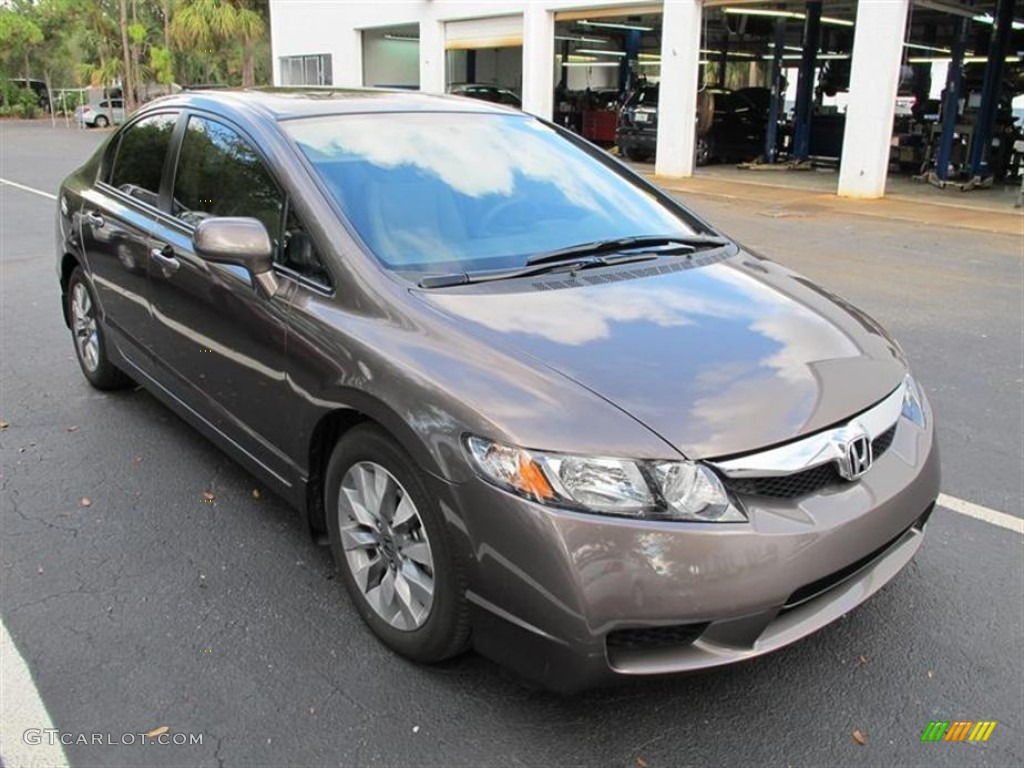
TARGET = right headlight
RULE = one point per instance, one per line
(674, 490)
(913, 402)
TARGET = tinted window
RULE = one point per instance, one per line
(220, 174)
(139, 163)
(445, 192)
(644, 97)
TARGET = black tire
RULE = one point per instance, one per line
(445, 631)
(101, 121)
(96, 367)
(705, 151)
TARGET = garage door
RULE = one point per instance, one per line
(492, 32)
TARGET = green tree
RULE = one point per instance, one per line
(207, 26)
(19, 35)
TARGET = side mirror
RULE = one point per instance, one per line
(241, 241)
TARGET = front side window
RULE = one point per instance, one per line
(220, 174)
(446, 192)
(139, 162)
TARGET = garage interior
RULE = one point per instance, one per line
(775, 86)
(774, 81)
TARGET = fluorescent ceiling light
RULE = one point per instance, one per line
(402, 38)
(614, 25)
(820, 57)
(967, 60)
(582, 39)
(597, 52)
(786, 15)
(737, 54)
(590, 64)
(649, 56)
(987, 18)
(919, 47)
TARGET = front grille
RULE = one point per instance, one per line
(645, 638)
(806, 482)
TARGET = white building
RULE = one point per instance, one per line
(521, 44)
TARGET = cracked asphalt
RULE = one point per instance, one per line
(154, 606)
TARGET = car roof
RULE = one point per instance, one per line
(289, 103)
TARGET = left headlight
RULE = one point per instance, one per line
(674, 490)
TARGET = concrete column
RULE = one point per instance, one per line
(538, 61)
(348, 68)
(677, 99)
(877, 53)
(432, 56)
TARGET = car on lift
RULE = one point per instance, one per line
(731, 125)
(487, 92)
(535, 405)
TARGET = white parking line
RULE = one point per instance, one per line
(978, 512)
(953, 504)
(22, 710)
(28, 189)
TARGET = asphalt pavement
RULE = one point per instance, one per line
(138, 602)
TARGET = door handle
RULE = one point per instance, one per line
(166, 259)
(94, 220)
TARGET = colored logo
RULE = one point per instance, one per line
(958, 730)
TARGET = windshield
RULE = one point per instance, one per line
(445, 192)
(644, 97)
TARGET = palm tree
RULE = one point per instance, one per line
(249, 30)
(203, 25)
(127, 86)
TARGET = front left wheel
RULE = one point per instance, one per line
(87, 334)
(392, 548)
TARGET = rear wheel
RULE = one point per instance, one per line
(101, 121)
(87, 334)
(392, 548)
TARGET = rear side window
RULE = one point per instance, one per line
(220, 174)
(141, 152)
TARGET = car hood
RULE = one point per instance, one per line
(717, 359)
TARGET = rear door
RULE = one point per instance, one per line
(221, 342)
(116, 221)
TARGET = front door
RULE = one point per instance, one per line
(220, 341)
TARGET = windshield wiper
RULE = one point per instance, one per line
(562, 265)
(626, 243)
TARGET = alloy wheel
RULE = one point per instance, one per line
(83, 325)
(386, 545)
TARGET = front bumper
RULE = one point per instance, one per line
(637, 139)
(576, 600)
